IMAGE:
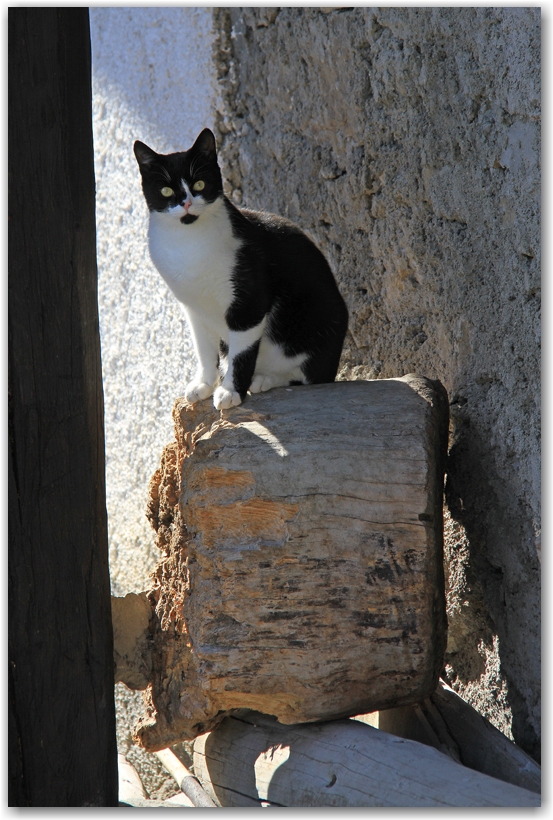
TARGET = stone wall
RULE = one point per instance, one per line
(405, 141)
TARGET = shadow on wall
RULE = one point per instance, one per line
(500, 606)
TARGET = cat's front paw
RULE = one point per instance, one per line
(197, 391)
(223, 398)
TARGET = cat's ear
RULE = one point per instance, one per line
(143, 154)
(206, 142)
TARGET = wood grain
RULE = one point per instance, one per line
(303, 570)
(62, 716)
(251, 760)
(450, 724)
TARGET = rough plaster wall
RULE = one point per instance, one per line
(152, 73)
(406, 142)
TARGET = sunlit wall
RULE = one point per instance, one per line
(152, 80)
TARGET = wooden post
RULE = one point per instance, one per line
(62, 747)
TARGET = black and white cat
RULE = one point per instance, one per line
(260, 298)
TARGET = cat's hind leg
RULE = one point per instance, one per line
(275, 369)
(263, 381)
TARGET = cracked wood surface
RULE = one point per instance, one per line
(302, 571)
(251, 760)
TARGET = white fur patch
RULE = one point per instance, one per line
(206, 346)
(223, 398)
(274, 369)
(196, 260)
(238, 342)
(197, 391)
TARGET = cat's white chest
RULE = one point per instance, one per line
(196, 260)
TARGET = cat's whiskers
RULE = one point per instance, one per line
(194, 170)
(160, 169)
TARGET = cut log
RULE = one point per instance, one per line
(251, 760)
(482, 746)
(130, 784)
(303, 570)
(447, 722)
(131, 790)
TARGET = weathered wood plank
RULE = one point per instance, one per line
(303, 574)
(250, 760)
(131, 789)
(187, 783)
(62, 717)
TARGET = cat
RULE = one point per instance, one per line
(261, 301)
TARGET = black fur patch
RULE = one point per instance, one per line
(280, 272)
(243, 369)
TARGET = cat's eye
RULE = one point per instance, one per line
(199, 185)
(167, 191)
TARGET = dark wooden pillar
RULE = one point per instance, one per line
(62, 749)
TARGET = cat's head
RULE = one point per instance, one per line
(182, 185)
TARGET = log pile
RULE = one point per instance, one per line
(302, 572)
(302, 578)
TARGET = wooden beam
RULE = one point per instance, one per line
(188, 784)
(482, 746)
(446, 722)
(62, 747)
(251, 760)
